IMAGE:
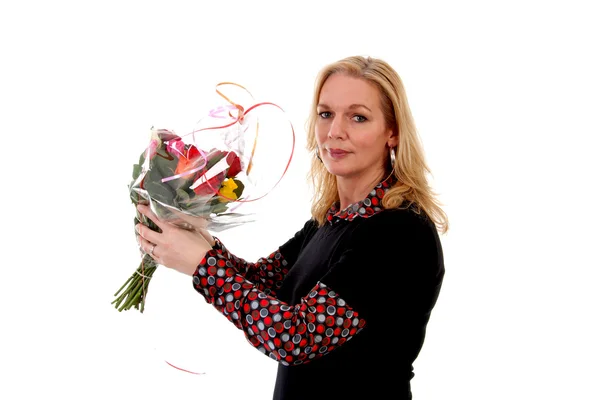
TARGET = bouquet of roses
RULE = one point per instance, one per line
(180, 179)
(175, 177)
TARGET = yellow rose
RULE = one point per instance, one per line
(227, 190)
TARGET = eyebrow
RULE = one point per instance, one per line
(351, 106)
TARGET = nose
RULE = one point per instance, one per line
(337, 130)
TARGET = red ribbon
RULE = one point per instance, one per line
(240, 116)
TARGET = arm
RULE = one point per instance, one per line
(290, 334)
(268, 273)
(335, 309)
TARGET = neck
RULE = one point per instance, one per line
(354, 189)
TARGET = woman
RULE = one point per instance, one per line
(343, 305)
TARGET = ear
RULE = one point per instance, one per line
(393, 139)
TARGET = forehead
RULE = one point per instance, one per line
(342, 90)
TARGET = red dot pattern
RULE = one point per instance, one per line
(365, 208)
(267, 273)
(289, 334)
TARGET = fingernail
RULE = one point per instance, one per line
(137, 228)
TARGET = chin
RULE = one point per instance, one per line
(337, 171)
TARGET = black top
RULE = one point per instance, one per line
(343, 308)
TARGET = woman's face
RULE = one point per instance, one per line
(351, 132)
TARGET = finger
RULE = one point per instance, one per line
(183, 224)
(172, 222)
(147, 247)
(147, 234)
(197, 222)
(147, 212)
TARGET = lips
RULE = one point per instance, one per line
(337, 152)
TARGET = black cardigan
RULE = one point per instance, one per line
(343, 308)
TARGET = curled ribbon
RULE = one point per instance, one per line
(226, 112)
(185, 370)
(241, 113)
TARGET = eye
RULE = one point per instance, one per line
(325, 114)
(359, 118)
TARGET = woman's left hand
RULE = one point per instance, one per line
(176, 248)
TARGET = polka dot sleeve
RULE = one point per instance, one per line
(291, 334)
(267, 273)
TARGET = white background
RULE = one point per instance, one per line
(506, 98)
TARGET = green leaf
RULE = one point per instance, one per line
(161, 168)
(182, 196)
(215, 158)
(137, 170)
(240, 188)
(219, 208)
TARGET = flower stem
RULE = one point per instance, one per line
(133, 291)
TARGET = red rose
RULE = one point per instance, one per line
(190, 160)
(211, 187)
(235, 166)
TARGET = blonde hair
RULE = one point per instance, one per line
(410, 169)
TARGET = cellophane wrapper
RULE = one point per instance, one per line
(184, 183)
(177, 178)
(204, 179)
(207, 176)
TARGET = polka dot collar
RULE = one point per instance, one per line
(371, 205)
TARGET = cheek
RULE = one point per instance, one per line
(365, 142)
(320, 133)
(373, 146)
